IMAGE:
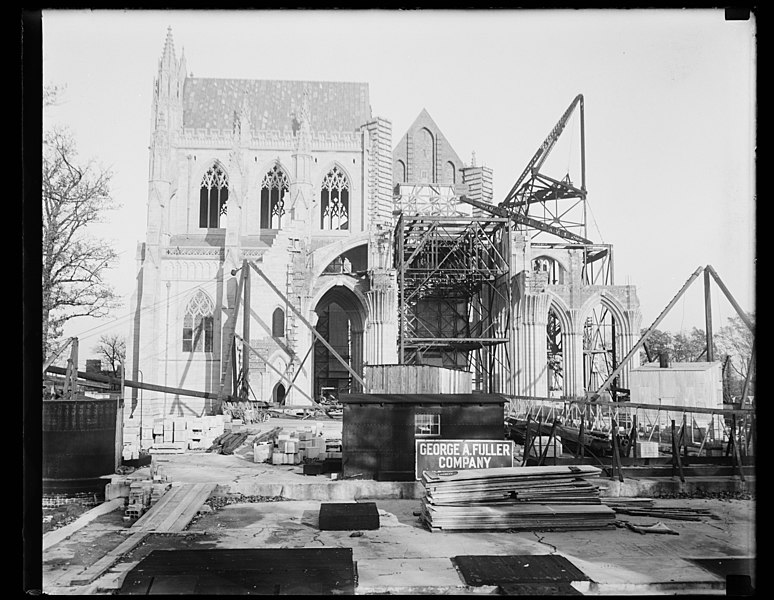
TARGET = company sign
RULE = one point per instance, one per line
(457, 455)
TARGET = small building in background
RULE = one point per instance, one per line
(689, 385)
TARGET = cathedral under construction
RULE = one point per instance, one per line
(291, 243)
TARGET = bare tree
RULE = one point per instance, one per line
(112, 349)
(735, 340)
(74, 262)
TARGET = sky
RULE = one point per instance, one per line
(669, 98)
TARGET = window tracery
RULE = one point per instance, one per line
(213, 197)
(274, 186)
(198, 324)
(334, 201)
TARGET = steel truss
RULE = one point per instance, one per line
(454, 294)
(556, 203)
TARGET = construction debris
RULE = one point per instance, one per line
(532, 498)
(655, 528)
(226, 443)
(247, 411)
(643, 507)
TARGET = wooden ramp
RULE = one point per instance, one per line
(174, 511)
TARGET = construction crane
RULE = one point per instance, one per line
(525, 191)
(533, 187)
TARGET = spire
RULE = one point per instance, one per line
(473, 159)
(304, 134)
(183, 68)
(168, 55)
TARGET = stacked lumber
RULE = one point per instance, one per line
(532, 498)
(227, 442)
(643, 507)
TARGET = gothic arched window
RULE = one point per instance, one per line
(400, 171)
(450, 173)
(278, 323)
(213, 195)
(334, 201)
(197, 324)
(549, 266)
(273, 189)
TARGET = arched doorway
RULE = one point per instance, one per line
(555, 354)
(340, 321)
(602, 347)
(278, 395)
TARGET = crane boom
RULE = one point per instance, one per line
(545, 149)
(525, 220)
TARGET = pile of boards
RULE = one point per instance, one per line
(515, 498)
(644, 507)
(228, 442)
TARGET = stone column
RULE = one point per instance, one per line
(532, 314)
(631, 336)
(381, 335)
(572, 347)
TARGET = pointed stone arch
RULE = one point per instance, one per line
(570, 386)
(335, 198)
(198, 322)
(619, 334)
(273, 189)
(322, 257)
(213, 194)
(338, 292)
(556, 268)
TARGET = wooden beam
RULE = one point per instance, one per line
(650, 330)
(310, 326)
(724, 289)
(230, 341)
(141, 385)
(275, 369)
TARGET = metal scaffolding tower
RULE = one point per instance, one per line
(454, 294)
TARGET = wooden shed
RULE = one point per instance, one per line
(379, 430)
(690, 385)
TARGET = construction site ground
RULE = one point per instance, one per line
(259, 505)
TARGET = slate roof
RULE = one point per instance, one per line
(333, 106)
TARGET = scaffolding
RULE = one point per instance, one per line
(454, 294)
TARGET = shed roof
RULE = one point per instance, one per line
(334, 106)
(422, 399)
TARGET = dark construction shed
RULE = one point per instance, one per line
(379, 430)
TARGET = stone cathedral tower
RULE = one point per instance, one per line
(294, 176)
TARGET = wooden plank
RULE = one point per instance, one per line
(157, 517)
(150, 520)
(191, 491)
(188, 513)
(107, 561)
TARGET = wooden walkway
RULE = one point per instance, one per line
(174, 511)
